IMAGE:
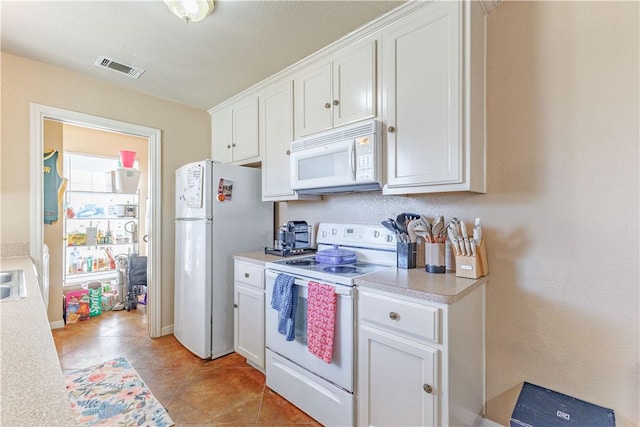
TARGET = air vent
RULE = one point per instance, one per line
(109, 63)
(342, 134)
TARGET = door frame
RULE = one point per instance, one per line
(38, 113)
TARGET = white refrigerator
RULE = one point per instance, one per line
(218, 213)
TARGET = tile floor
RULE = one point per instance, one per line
(226, 391)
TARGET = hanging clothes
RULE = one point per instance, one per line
(54, 187)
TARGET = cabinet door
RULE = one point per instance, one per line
(276, 133)
(245, 129)
(249, 324)
(313, 100)
(354, 84)
(421, 97)
(397, 381)
(222, 135)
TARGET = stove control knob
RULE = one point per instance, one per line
(376, 234)
(324, 234)
(389, 238)
(334, 231)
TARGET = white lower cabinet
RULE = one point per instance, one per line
(420, 363)
(397, 377)
(248, 303)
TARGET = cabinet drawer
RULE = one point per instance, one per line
(250, 275)
(411, 318)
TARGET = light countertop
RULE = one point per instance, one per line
(33, 389)
(260, 258)
(257, 257)
(442, 288)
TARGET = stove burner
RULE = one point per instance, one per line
(340, 269)
(302, 262)
(361, 264)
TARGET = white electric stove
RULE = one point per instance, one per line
(324, 390)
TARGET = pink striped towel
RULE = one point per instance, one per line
(321, 320)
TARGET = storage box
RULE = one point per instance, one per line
(95, 298)
(127, 180)
(76, 306)
(126, 211)
(109, 299)
(541, 407)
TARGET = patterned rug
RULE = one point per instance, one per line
(113, 394)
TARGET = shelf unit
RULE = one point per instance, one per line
(98, 226)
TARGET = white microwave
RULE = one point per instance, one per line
(342, 160)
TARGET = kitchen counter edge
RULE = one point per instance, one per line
(33, 387)
(416, 283)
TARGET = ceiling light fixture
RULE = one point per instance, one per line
(190, 10)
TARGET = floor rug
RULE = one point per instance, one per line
(113, 394)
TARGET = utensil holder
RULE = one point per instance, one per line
(473, 267)
(406, 255)
(434, 258)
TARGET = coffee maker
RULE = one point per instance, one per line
(294, 235)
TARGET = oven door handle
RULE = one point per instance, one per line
(338, 289)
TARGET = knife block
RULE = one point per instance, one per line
(473, 267)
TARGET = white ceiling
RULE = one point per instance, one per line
(198, 64)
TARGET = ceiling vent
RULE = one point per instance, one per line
(109, 63)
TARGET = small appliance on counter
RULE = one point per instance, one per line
(294, 238)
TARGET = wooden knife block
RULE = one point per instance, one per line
(473, 267)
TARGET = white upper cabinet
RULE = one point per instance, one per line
(338, 90)
(234, 132)
(276, 132)
(433, 99)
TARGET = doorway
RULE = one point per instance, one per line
(40, 113)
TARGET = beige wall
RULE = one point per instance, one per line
(561, 210)
(185, 137)
(54, 140)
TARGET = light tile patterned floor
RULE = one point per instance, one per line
(226, 391)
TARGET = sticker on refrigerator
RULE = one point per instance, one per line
(225, 190)
(193, 192)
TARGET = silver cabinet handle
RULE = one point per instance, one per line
(327, 105)
(391, 129)
(427, 388)
(235, 305)
(335, 102)
(394, 316)
(228, 146)
(246, 274)
(288, 152)
(233, 145)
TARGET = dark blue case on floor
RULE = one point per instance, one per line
(541, 407)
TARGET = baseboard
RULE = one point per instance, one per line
(486, 422)
(57, 324)
(167, 330)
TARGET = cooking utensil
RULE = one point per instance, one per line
(463, 230)
(389, 226)
(437, 228)
(477, 232)
(411, 229)
(401, 223)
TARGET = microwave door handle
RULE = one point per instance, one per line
(353, 161)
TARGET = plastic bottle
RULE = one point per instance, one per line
(74, 261)
(89, 263)
(108, 235)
